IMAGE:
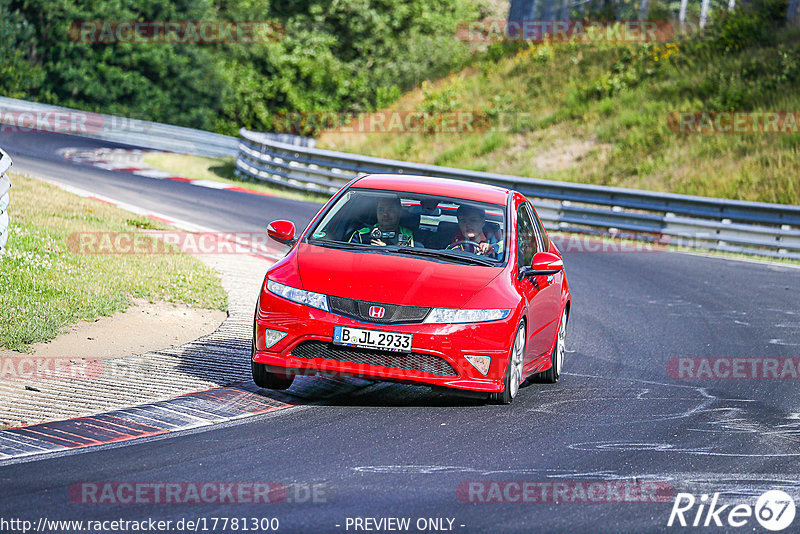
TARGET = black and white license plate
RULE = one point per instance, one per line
(371, 339)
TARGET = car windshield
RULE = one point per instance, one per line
(434, 227)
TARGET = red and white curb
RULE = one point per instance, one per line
(130, 160)
(185, 412)
(257, 250)
(168, 388)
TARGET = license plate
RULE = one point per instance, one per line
(371, 339)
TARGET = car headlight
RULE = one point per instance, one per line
(447, 315)
(307, 298)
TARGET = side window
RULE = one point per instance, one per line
(526, 237)
(544, 241)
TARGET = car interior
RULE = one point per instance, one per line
(433, 228)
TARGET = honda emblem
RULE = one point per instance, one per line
(377, 312)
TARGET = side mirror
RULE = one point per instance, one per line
(546, 263)
(281, 231)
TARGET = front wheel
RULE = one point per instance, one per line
(269, 380)
(513, 370)
(264, 378)
(557, 358)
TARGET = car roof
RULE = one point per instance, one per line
(435, 186)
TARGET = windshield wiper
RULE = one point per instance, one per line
(349, 246)
(473, 260)
(335, 244)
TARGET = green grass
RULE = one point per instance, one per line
(219, 170)
(46, 286)
(597, 113)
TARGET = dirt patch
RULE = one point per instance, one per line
(564, 154)
(144, 327)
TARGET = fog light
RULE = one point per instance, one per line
(272, 336)
(481, 363)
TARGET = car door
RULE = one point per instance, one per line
(549, 288)
(537, 290)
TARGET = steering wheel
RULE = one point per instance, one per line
(462, 242)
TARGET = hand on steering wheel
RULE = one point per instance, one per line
(462, 242)
(483, 248)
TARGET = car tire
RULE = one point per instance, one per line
(269, 380)
(513, 377)
(264, 378)
(557, 357)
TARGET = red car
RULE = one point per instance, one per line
(418, 280)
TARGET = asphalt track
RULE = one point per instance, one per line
(389, 450)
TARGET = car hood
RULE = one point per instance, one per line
(390, 278)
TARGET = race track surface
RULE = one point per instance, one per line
(620, 415)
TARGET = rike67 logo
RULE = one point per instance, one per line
(774, 510)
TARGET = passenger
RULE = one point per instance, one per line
(473, 235)
(387, 231)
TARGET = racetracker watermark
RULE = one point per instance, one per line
(67, 121)
(176, 32)
(71, 368)
(147, 524)
(170, 242)
(397, 122)
(49, 368)
(734, 122)
(744, 368)
(403, 122)
(582, 31)
(49, 121)
(572, 243)
(569, 491)
(201, 492)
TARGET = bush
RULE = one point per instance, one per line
(345, 55)
(750, 24)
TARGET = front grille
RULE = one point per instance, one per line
(412, 361)
(395, 314)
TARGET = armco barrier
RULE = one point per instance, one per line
(21, 115)
(697, 222)
(5, 198)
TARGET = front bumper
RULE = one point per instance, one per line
(437, 356)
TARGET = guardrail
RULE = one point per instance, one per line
(697, 222)
(27, 116)
(22, 115)
(5, 198)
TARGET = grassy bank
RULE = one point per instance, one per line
(47, 287)
(600, 113)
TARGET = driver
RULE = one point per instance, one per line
(472, 235)
(387, 231)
